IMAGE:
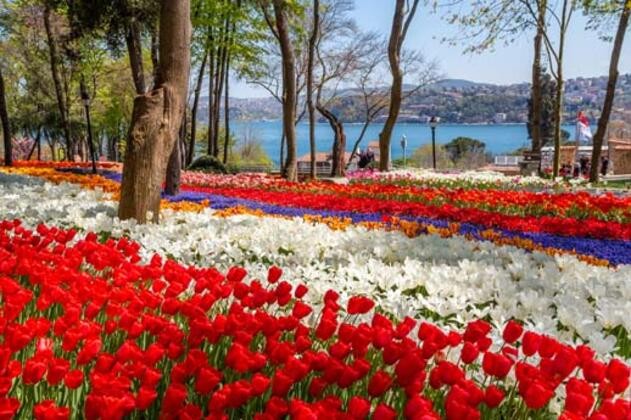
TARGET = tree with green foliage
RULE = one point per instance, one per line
(461, 146)
(422, 157)
(556, 53)
(120, 22)
(488, 22)
(546, 120)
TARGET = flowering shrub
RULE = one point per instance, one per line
(21, 148)
(88, 327)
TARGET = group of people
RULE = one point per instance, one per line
(366, 157)
(583, 166)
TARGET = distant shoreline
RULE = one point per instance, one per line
(499, 139)
(378, 123)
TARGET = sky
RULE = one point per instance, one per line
(586, 54)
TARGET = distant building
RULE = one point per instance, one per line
(323, 163)
(617, 149)
(499, 118)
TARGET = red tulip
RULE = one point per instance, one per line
(512, 332)
(531, 343)
(493, 396)
(34, 371)
(469, 352)
(48, 410)
(384, 412)
(358, 408)
(273, 274)
(73, 379)
(359, 305)
(379, 383)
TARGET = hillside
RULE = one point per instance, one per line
(454, 101)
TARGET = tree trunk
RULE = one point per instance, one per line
(226, 111)
(558, 118)
(397, 36)
(155, 54)
(211, 92)
(198, 90)
(39, 144)
(157, 117)
(282, 151)
(536, 97)
(357, 142)
(36, 145)
(310, 63)
(174, 167)
(558, 105)
(134, 49)
(289, 88)
(219, 82)
(6, 127)
(603, 121)
(338, 166)
(59, 92)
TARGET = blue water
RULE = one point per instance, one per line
(499, 138)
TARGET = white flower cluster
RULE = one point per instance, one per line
(448, 280)
(481, 177)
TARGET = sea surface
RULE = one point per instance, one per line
(499, 138)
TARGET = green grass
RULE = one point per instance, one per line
(614, 184)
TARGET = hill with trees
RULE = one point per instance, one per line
(456, 101)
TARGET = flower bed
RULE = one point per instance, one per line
(446, 279)
(91, 330)
(596, 228)
(457, 179)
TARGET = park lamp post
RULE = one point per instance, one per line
(85, 98)
(404, 145)
(433, 123)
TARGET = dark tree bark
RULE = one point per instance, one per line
(219, 84)
(155, 54)
(52, 151)
(59, 91)
(338, 164)
(282, 151)
(289, 87)
(400, 25)
(226, 111)
(362, 133)
(603, 121)
(536, 96)
(229, 47)
(6, 126)
(558, 104)
(134, 49)
(211, 99)
(310, 64)
(174, 167)
(37, 144)
(157, 117)
(198, 90)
